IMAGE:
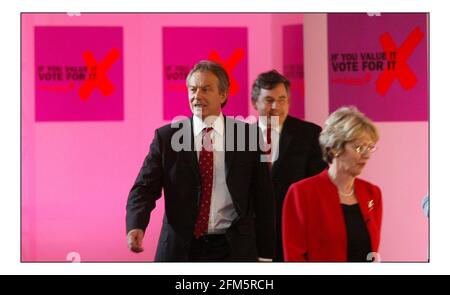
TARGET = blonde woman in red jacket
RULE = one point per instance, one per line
(335, 216)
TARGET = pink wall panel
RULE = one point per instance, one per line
(76, 176)
(400, 168)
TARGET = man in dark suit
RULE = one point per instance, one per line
(217, 192)
(294, 151)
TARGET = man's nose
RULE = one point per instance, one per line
(273, 105)
(195, 95)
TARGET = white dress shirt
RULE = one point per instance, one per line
(222, 211)
(275, 136)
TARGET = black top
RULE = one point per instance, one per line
(358, 238)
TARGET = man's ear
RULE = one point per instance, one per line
(223, 97)
(254, 104)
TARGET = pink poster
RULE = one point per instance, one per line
(379, 64)
(293, 67)
(185, 46)
(78, 73)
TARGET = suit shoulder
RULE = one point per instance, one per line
(232, 121)
(307, 184)
(302, 192)
(368, 187)
(234, 124)
(313, 181)
(305, 126)
(169, 129)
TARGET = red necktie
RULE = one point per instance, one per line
(206, 163)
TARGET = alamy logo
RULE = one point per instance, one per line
(238, 137)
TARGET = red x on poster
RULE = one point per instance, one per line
(379, 64)
(78, 73)
(227, 46)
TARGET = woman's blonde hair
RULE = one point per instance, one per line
(344, 125)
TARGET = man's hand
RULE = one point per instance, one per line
(135, 238)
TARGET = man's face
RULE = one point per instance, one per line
(204, 97)
(273, 102)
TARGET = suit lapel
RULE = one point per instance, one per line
(285, 140)
(191, 155)
(365, 203)
(229, 152)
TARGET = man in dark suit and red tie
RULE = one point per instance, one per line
(294, 152)
(217, 192)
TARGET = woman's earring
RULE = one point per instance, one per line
(336, 155)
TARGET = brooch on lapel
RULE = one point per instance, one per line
(370, 205)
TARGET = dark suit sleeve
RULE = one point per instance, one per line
(146, 189)
(263, 200)
(315, 161)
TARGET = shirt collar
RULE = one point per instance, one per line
(263, 125)
(217, 125)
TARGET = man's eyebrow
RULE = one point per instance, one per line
(201, 86)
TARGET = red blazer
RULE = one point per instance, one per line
(313, 222)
